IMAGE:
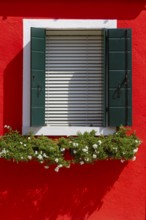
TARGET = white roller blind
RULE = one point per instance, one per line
(74, 78)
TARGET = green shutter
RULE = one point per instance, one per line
(118, 69)
(37, 76)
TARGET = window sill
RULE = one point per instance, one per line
(66, 131)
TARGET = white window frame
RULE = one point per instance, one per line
(54, 24)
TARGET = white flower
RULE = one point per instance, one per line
(60, 165)
(40, 157)
(29, 138)
(85, 150)
(94, 146)
(24, 145)
(86, 147)
(87, 159)
(45, 155)
(138, 141)
(62, 149)
(134, 158)
(99, 142)
(74, 151)
(36, 152)
(57, 169)
(46, 167)
(29, 157)
(81, 162)
(94, 156)
(4, 151)
(135, 150)
(56, 160)
(7, 126)
(75, 144)
(21, 142)
(21, 158)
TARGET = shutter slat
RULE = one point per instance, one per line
(71, 106)
(75, 82)
(72, 56)
(53, 102)
(75, 52)
(75, 62)
(58, 95)
(72, 75)
(77, 111)
(55, 68)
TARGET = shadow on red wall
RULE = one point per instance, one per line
(28, 191)
(101, 9)
(13, 93)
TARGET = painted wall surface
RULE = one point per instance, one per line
(108, 190)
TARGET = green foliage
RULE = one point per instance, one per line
(87, 148)
(18, 147)
(84, 148)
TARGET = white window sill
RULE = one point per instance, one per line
(66, 131)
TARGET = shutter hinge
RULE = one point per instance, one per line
(126, 79)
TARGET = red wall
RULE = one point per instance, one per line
(108, 190)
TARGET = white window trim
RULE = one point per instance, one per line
(54, 24)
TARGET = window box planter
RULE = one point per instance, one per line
(84, 148)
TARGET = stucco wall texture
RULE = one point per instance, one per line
(107, 190)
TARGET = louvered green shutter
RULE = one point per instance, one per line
(118, 67)
(37, 77)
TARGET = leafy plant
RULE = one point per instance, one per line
(87, 148)
(84, 148)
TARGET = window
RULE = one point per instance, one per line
(80, 77)
(74, 78)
